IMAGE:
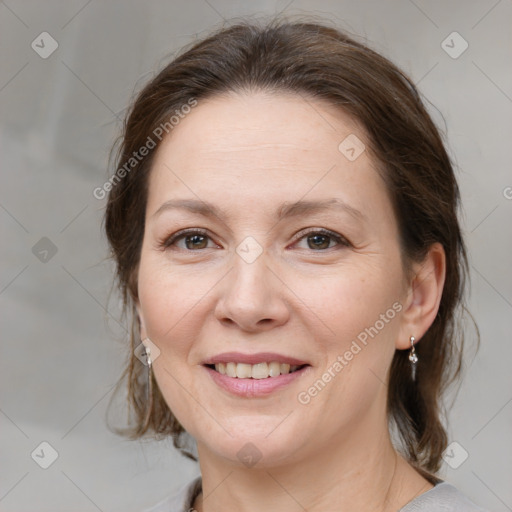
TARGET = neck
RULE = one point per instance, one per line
(346, 476)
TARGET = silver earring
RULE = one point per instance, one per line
(149, 362)
(146, 354)
(148, 357)
(413, 358)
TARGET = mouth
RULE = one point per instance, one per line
(255, 375)
(262, 384)
(258, 371)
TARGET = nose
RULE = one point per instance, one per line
(252, 297)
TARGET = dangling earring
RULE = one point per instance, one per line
(148, 356)
(413, 358)
(149, 362)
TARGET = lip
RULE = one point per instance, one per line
(260, 357)
(254, 388)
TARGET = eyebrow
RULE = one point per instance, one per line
(286, 210)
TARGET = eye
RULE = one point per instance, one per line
(197, 239)
(321, 239)
(193, 239)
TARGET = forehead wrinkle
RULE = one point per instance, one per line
(285, 210)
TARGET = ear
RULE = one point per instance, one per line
(423, 296)
(142, 324)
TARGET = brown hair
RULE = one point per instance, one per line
(318, 61)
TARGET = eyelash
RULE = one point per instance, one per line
(169, 241)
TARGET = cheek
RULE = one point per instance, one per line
(169, 295)
(347, 301)
(359, 312)
(166, 303)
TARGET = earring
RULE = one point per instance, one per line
(149, 363)
(413, 358)
(148, 357)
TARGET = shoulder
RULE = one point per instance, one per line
(444, 497)
(182, 501)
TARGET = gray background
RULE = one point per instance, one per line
(62, 348)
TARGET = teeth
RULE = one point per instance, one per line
(274, 369)
(255, 371)
(230, 369)
(259, 371)
(243, 371)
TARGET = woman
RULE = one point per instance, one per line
(284, 222)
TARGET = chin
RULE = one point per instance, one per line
(260, 445)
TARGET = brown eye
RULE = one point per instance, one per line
(195, 241)
(319, 241)
(188, 240)
(322, 239)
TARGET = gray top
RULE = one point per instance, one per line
(441, 498)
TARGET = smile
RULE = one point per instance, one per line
(255, 371)
(251, 387)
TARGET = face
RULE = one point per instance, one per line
(296, 259)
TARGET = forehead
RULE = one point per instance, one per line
(241, 122)
(259, 147)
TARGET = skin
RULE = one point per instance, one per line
(248, 153)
